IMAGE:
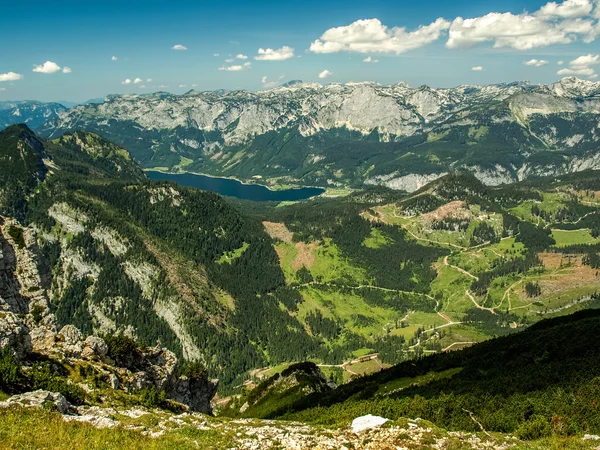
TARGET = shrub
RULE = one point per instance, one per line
(122, 349)
(535, 428)
(44, 376)
(17, 235)
(10, 370)
(192, 369)
(153, 398)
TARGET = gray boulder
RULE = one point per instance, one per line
(39, 399)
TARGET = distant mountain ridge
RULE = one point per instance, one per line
(356, 133)
(31, 112)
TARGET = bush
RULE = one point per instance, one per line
(191, 369)
(535, 428)
(10, 370)
(44, 376)
(153, 398)
(122, 349)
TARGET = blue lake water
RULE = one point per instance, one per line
(233, 188)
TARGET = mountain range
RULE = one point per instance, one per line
(354, 134)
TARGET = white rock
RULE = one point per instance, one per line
(367, 422)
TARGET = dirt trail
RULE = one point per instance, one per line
(468, 293)
(463, 271)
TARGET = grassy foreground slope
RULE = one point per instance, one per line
(542, 381)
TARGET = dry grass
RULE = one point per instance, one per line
(278, 231)
(452, 210)
(305, 256)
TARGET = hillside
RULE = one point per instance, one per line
(354, 134)
(533, 384)
(108, 251)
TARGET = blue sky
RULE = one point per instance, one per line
(307, 39)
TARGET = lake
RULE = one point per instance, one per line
(234, 188)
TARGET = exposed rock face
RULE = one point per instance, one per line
(39, 399)
(197, 393)
(14, 333)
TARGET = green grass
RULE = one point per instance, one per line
(227, 257)
(376, 240)
(565, 238)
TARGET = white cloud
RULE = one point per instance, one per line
(553, 23)
(47, 67)
(568, 9)
(326, 73)
(127, 81)
(10, 76)
(229, 60)
(236, 68)
(582, 66)
(368, 59)
(149, 80)
(195, 85)
(67, 69)
(585, 60)
(142, 86)
(179, 47)
(216, 55)
(270, 54)
(241, 56)
(560, 63)
(268, 84)
(114, 58)
(137, 81)
(2, 89)
(536, 62)
(477, 69)
(371, 36)
(182, 85)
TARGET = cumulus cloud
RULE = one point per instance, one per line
(560, 63)
(368, 59)
(371, 36)
(582, 66)
(236, 68)
(127, 81)
(137, 81)
(241, 56)
(270, 54)
(149, 80)
(113, 58)
(553, 23)
(179, 47)
(326, 73)
(182, 85)
(229, 60)
(10, 76)
(567, 10)
(536, 62)
(477, 69)
(67, 69)
(216, 55)
(47, 67)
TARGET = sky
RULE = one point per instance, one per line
(64, 50)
